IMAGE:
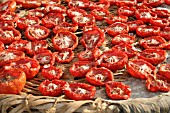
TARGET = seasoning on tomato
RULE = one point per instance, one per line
(134, 24)
(147, 31)
(159, 22)
(79, 91)
(72, 12)
(55, 8)
(36, 13)
(2, 47)
(65, 39)
(44, 57)
(12, 81)
(100, 13)
(112, 19)
(29, 4)
(20, 45)
(82, 4)
(8, 6)
(9, 16)
(51, 72)
(24, 22)
(64, 56)
(139, 68)
(47, 2)
(127, 49)
(92, 38)
(153, 3)
(165, 33)
(161, 12)
(99, 76)
(112, 59)
(153, 42)
(36, 32)
(52, 88)
(80, 68)
(123, 38)
(157, 83)
(84, 20)
(117, 28)
(117, 90)
(100, 4)
(164, 70)
(126, 2)
(6, 23)
(52, 19)
(9, 35)
(126, 11)
(8, 56)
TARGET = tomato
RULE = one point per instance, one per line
(112, 19)
(44, 57)
(100, 14)
(153, 56)
(82, 4)
(52, 19)
(153, 42)
(164, 70)
(142, 6)
(52, 88)
(101, 4)
(28, 65)
(79, 91)
(33, 47)
(99, 76)
(165, 33)
(123, 38)
(36, 13)
(8, 6)
(51, 72)
(147, 31)
(139, 68)
(6, 23)
(23, 23)
(145, 15)
(92, 38)
(84, 20)
(134, 24)
(167, 2)
(159, 22)
(12, 81)
(90, 27)
(28, 4)
(65, 26)
(36, 32)
(112, 59)
(80, 68)
(47, 2)
(117, 90)
(9, 35)
(157, 83)
(9, 16)
(154, 3)
(65, 39)
(55, 8)
(161, 13)
(2, 47)
(89, 54)
(112, 2)
(72, 12)
(18, 45)
(126, 11)
(126, 2)
(64, 56)
(117, 28)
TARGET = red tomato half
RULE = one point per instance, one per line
(82, 4)
(79, 91)
(161, 13)
(6, 23)
(55, 8)
(101, 4)
(100, 14)
(112, 19)
(165, 33)
(9, 16)
(2, 47)
(154, 3)
(159, 22)
(20, 45)
(126, 11)
(72, 12)
(47, 2)
(8, 6)
(126, 2)
(123, 38)
(167, 2)
(28, 4)
(164, 70)
(134, 24)
(36, 13)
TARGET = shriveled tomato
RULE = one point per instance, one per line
(12, 81)
(153, 42)
(117, 28)
(44, 57)
(112, 59)
(9, 35)
(2, 47)
(52, 19)
(100, 13)
(79, 91)
(8, 6)
(24, 22)
(36, 13)
(28, 65)
(126, 11)
(164, 70)
(112, 19)
(159, 22)
(92, 38)
(47, 2)
(80, 68)
(139, 68)
(99, 76)
(146, 31)
(52, 88)
(64, 56)
(154, 3)
(9, 16)
(65, 39)
(117, 90)
(126, 2)
(112, 2)
(134, 24)
(55, 8)
(28, 4)
(19, 45)
(51, 72)
(123, 38)
(153, 56)
(84, 20)
(161, 12)
(100, 4)
(165, 33)
(6, 23)
(36, 32)
(83, 4)
(72, 12)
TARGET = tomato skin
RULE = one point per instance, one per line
(165, 33)
(50, 2)
(167, 2)
(19, 45)
(134, 24)
(126, 2)
(161, 13)
(90, 76)
(100, 4)
(126, 11)
(74, 95)
(47, 88)
(6, 23)
(108, 59)
(82, 4)
(47, 72)
(135, 72)
(164, 71)
(159, 22)
(36, 13)
(9, 16)
(96, 13)
(153, 3)
(11, 6)
(113, 87)
(112, 2)
(147, 31)
(59, 41)
(123, 38)
(30, 4)
(112, 19)
(12, 81)
(55, 8)
(71, 12)
(2, 47)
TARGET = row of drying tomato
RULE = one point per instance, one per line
(93, 37)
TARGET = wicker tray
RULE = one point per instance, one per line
(141, 101)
